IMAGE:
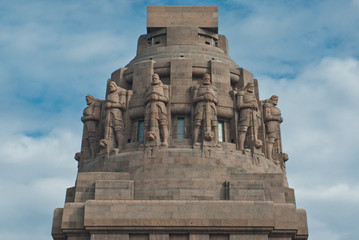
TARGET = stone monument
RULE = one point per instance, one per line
(182, 147)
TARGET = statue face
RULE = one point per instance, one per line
(206, 79)
(88, 100)
(112, 87)
(250, 88)
(275, 101)
(155, 79)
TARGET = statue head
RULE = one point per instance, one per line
(156, 79)
(112, 86)
(89, 99)
(274, 99)
(206, 80)
(249, 87)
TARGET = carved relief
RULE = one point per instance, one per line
(114, 106)
(205, 113)
(156, 119)
(273, 119)
(247, 106)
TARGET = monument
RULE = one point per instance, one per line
(182, 147)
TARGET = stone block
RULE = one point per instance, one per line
(244, 78)
(109, 236)
(200, 16)
(56, 231)
(159, 236)
(223, 43)
(139, 237)
(302, 226)
(198, 237)
(289, 195)
(220, 75)
(78, 237)
(70, 194)
(285, 216)
(73, 216)
(179, 236)
(180, 35)
(114, 189)
(178, 213)
(279, 238)
(85, 183)
(253, 236)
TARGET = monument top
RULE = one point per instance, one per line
(160, 16)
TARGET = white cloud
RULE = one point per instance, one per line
(339, 193)
(20, 149)
(34, 175)
(278, 38)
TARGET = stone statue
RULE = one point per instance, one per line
(156, 120)
(91, 118)
(205, 98)
(272, 119)
(114, 129)
(247, 105)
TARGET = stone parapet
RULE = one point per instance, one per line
(228, 218)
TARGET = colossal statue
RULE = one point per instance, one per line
(272, 119)
(205, 98)
(114, 106)
(156, 120)
(247, 105)
(91, 118)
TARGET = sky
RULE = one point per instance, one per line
(54, 53)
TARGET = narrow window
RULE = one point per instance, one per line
(180, 128)
(220, 132)
(141, 127)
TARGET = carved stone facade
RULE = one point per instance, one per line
(182, 147)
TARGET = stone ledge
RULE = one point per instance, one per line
(179, 213)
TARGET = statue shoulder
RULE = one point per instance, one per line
(241, 93)
(267, 104)
(122, 91)
(97, 102)
(195, 87)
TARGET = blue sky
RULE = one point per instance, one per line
(54, 53)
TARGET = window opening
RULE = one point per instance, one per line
(220, 132)
(180, 128)
(141, 128)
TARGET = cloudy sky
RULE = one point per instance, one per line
(53, 53)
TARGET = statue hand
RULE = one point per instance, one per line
(108, 105)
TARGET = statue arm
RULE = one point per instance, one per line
(165, 93)
(163, 99)
(241, 104)
(268, 116)
(196, 98)
(96, 112)
(215, 100)
(122, 103)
